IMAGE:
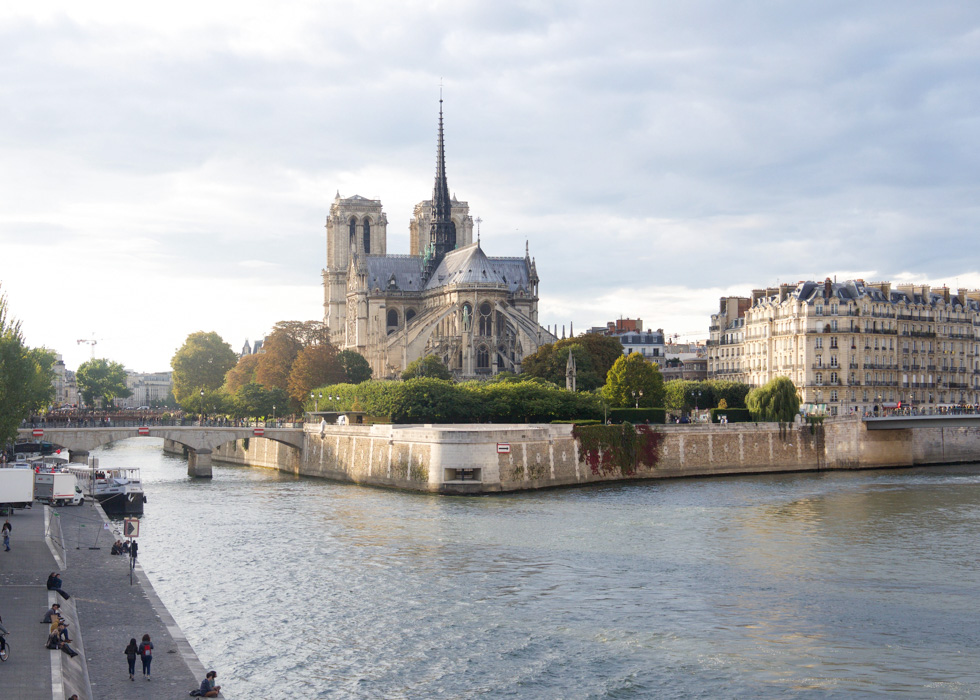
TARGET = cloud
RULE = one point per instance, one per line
(654, 154)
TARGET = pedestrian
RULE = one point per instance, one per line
(7, 527)
(53, 611)
(146, 654)
(131, 651)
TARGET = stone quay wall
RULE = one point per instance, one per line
(467, 459)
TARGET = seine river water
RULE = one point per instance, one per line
(815, 585)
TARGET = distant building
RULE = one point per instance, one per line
(253, 349)
(629, 332)
(851, 345)
(147, 388)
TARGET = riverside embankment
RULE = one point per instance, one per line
(473, 459)
(104, 612)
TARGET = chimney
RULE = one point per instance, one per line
(784, 290)
(828, 288)
(758, 294)
(961, 293)
(946, 294)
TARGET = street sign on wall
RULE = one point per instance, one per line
(503, 448)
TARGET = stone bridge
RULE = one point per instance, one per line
(199, 440)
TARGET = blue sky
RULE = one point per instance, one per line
(169, 169)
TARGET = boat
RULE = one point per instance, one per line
(118, 490)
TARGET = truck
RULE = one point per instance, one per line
(16, 488)
(57, 489)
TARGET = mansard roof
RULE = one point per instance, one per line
(811, 292)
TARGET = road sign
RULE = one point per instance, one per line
(503, 448)
(258, 432)
(37, 432)
(131, 527)
(144, 431)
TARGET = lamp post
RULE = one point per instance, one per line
(697, 397)
(637, 395)
(316, 404)
(202, 407)
(273, 415)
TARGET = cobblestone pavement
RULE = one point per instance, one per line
(111, 611)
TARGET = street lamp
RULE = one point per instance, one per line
(316, 404)
(202, 406)
(273, 415)
(637, 395)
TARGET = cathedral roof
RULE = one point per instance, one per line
(470, 265)
(401, 272)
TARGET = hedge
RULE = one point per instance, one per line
(637, 416)
(734, 415)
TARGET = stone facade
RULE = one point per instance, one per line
(474, 459)
(478, 314)
(850, 346)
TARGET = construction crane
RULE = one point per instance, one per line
(91, 343)
(697, 335)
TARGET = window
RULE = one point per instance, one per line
(833, 377)
(483, 358)
(486, 320)
(392, 318)
(819, 311)
(819, 342)
(367, 237)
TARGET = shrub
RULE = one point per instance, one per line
(637, 416)
(734, 415)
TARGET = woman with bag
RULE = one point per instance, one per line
(131, 651)
(146, 653)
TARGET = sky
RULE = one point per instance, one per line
(167, 169)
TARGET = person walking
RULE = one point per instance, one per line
(131, 651)
(7, 527)
(146, 654)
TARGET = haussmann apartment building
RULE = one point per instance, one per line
(849, 346)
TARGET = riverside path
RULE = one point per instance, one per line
(104, 612)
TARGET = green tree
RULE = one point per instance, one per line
(594, 356)
(201, 363)
(775, 401)
(252, 400)
(355, 367)
(429, 366)
(25, 376)
(101, 381)
(634, 381)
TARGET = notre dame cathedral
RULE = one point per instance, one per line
(446, 297)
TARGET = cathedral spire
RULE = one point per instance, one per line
(442, 231)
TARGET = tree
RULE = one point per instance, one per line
(776, 401)
(594, 356)
(101, 381)
(25, 376)
(282, 346)
(356, 368)
(429, 366)
(201, 363)
(633, 380)
(241, 374)
(314, 366)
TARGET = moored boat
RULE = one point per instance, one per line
(118, 489)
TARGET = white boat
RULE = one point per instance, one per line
(118, 489)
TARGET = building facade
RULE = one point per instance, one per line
(850, 346)
(479, 314)
(629, 332)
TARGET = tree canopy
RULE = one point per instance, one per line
(632, 381)
(25, 376)
(241, 374)
(201, 363)
(315, 365)
(355, 367)
(281, 348)
(594, 354)
(775, 401)
(429, 366)
(100, 380)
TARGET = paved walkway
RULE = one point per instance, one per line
(104, 612)
(23, 601)
(111, 611)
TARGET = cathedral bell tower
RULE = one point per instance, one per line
(442, 232)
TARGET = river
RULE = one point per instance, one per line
(834, 584)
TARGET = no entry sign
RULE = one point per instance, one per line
(144, 431)
(258, 432)
(37, 432)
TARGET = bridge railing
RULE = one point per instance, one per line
(155, 423)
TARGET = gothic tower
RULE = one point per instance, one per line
(442, 232)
